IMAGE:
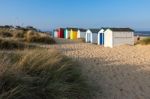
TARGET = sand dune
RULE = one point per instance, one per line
(119, 73)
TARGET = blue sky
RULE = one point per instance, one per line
(49, 14)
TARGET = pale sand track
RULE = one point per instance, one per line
(119, 73)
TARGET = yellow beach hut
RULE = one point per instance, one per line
(73, 33)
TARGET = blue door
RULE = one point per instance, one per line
(101, 38)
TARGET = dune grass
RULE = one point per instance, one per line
(29, 36)
(9, 44)
(82, 40)
(40, 74)
(145, 41)
(37, 38)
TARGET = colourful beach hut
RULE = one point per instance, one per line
(67, 33)
(91, 35)
(60, 32)
(73, 33)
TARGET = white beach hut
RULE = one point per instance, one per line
(55, 33)
(100, 36)
(118, 36)
(81, 33)
(91, 35)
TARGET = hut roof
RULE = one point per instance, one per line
(71, 28)
(121, 29)
(105, 28)
(82, 30)
(94, 30)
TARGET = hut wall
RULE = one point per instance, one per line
(122, 38)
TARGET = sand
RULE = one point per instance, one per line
(117, 73)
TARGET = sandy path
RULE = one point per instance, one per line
(119, 73)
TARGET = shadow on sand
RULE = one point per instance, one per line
(111, 80)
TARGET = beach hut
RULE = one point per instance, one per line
(60, 32)
(73, 33)
(100, 36)
(81, 33)
(55, 33)
(91, 35)
(67, 33)
(118, 36)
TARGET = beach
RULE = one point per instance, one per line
(122, 72)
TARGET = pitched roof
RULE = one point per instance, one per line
(104, 28)
(121, 29)
(94, 30)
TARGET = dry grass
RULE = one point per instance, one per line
(5, 33)
(19, 34)
(144, 41)
(9, 44)
(29, 36)
(82, 40)
(37, 38)
(40, 74)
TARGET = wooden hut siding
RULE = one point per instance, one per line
(121, 38)
(118, 36)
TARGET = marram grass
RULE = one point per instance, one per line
(40, 74)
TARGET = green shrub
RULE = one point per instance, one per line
(145, 41)
(41, 74)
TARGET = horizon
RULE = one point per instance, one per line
(48, 15)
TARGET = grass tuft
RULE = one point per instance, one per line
(40, 74)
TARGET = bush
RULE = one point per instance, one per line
(41, 74)
(145, 41)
